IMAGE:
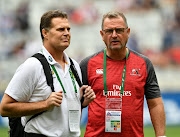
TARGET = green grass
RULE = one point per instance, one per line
(3, 132)
(171, 131)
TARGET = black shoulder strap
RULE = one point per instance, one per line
(74, 71)
(47, 69)
(48, 74)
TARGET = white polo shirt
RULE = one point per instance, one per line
(29, 85)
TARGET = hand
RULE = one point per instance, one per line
(89, 93)
(55, 99)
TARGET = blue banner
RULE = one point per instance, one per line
(172, 108)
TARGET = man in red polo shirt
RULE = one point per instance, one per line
(120, 78)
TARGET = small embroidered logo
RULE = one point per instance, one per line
(50, 58)
(135, 72)
(99, 71)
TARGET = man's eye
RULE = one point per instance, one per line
(61, 29)
(109, 31)
(119, 30)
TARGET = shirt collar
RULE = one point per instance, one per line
(51, 60)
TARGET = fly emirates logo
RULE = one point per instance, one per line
(117, 91)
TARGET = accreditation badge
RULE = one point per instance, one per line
(74, 115)
(113, 111)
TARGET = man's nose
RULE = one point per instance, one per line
(114, 34)
(66, 32)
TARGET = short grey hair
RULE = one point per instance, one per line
(113, 14)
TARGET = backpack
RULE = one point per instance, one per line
(16, 128)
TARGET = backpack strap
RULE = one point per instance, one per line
(49, 78)
(47, 69)
(74, 71)
(48, 74)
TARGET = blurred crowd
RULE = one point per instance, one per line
(155, 29)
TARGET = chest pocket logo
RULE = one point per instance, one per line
(135, 72)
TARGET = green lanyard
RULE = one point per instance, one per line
(104, 73)
(72, 78)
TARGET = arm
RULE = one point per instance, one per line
(89, 95)
(10, 107)
(157, 113)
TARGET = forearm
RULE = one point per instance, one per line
(157, 114)
(18, 109)
(10, 107)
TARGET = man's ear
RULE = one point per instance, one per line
(45, 33)
(128, 31)
(102, 35)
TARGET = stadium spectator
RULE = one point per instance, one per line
(28, 93)
(22, 17)
(85, 14)
(171, 41)
(121, 77)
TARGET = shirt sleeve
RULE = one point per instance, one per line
(83, 66)
(24, 81)
(152, 89)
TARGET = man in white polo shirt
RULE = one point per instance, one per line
(28, 93)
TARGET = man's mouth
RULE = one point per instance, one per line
(65, 40)
(115, 42)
